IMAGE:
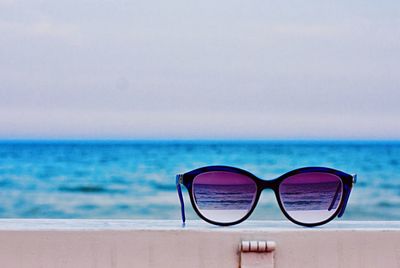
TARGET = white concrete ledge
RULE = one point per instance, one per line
(146, 243)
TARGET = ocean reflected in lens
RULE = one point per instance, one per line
(311, 197)
(223, 197)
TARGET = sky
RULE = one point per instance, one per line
(199, 69)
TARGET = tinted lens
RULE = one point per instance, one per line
(311, 197)
(223, 197)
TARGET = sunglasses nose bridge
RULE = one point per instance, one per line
(267, 184)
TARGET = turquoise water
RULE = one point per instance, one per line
(137, 179)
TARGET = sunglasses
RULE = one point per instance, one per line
(224, 195)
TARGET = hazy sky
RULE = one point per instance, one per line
(199, 69)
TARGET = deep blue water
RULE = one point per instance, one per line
(137, 179)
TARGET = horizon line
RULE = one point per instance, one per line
(194, 140)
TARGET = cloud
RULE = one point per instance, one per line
(249, 66)
(44, 29)
(7, 2)
(60, 123)
(49, 29)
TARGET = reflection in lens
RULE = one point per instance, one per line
(223, 197)
(311, 197)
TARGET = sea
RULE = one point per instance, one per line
(136, 179)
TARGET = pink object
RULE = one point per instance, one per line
(127, 243)
(257, 254)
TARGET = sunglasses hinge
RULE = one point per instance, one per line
(179, 179)
(354, 178)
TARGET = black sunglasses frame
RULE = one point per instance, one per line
(187, 180)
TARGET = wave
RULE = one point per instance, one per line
(88, 189)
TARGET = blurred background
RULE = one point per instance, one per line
(103, 102)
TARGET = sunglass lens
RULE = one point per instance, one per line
(224, 197)
(311, 197)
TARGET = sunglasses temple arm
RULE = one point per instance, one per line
(347, 195)
(179, 189)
